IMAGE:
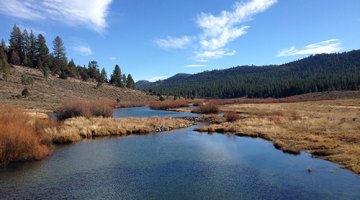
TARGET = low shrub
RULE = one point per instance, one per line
(19, 137)
(164, 105)
(86, 108)
(231, 116)
(207, 108)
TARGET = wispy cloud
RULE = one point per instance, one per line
(217, 31)
(89, 13)
(82, 50)
(175, 43)
(112, 58)
(156, 78)
(327, 46)
(195, 66)
(215, 53)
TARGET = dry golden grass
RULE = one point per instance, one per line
(87, 108)
(21, 136)
(74, 129)
(329, 129)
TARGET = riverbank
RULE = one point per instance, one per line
(327, 129)
(29, 135)
(76, 129)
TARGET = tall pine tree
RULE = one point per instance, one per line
(116, 77)
(130, 83)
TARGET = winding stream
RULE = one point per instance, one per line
(180, 164)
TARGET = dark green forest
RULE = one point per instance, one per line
(316, 73)
(29, 50)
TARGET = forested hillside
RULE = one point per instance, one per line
(316, 73)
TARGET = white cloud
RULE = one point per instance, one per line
(156, 78)
(217, 31)
(215, 53)
(327, 46)
(195, 65)
(113, 58)
(175, 43)
(82, 50)
(89, 13)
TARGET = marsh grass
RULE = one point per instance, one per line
(86, 108)
(21, 137)
(327, 129)
(210, 107)
(75, 129)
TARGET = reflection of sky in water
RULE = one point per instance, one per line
(147, 112)
(181, 164)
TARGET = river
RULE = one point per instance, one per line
(180, 164)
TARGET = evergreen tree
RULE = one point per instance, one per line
(116, 76)
(123, 80)
(25, 45)
(14, 58)
(130, 83)
(72, 70)
(103, 76)
(59, 63)
(58, 48)
(31, 51)
(15, 45)
(93, 70)
(3, 45)
(41, 51)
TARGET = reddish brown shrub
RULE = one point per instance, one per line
(231, 116)
(86, 108)
(19, 139)
(208, 108)
(164, 105)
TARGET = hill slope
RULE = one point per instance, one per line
(48, 94)
(324, 72)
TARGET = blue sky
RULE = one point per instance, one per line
(153, 39)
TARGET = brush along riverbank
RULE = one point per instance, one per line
(327, 129)
(76, 129)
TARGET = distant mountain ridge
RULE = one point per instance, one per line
(316, 73)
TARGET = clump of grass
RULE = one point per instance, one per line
(86, 108)
(20, 139)
(207, 108)
(164, 105)
(231, 116)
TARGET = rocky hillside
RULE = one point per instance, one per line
(48, 94)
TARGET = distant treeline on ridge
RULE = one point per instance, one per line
(316, 73)
(27, 50)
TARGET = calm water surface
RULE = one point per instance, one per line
(180, 164)
(147, 112)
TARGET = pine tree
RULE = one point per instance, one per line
(58, 48)
(116, 76)
(24, 47)
(93, 70)
(103, 76)
(41, 51)
(15, 45)
(59, 63)
(130, 83)
(72, 70)
(123, 80)
(31, 55)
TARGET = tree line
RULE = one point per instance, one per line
(29, 50)
(316, 73)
